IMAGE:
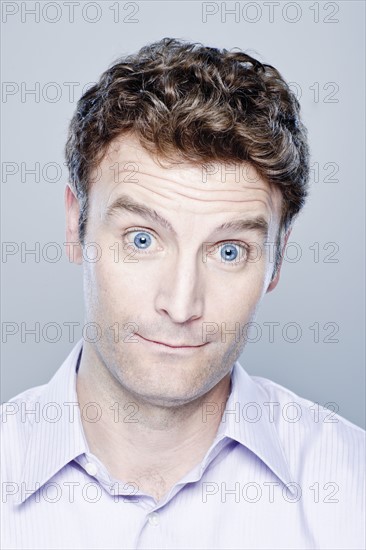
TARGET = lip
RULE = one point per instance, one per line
(170, 347)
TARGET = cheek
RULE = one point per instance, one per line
(236, 294)
(118, 289)
(233, 307)
(228, 314)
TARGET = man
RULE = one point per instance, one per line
(188, 166)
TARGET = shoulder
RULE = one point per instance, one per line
(18, 403)
(294, 407)
(325, 454)
(316, 440)
(17, 417)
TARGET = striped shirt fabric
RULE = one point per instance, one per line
(282, 473)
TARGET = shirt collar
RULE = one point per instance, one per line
(53, 444)
(246, 419)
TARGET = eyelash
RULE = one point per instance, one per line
(246, 248)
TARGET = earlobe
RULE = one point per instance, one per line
(73, 247)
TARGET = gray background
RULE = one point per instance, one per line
(311, 50)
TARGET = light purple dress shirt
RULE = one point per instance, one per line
(282, 473)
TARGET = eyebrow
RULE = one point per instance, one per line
(124, 203)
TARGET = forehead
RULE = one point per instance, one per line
(211, 188)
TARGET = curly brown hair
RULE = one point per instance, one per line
(197, 104)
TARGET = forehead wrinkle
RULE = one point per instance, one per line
(267, 203)
(170, 194)
(187, 171)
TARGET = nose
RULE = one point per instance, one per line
(180, 292)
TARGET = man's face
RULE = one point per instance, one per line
(184, 283)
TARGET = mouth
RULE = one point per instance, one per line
(171, 346)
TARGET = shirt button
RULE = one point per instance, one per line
(91, 468)
(153, 519)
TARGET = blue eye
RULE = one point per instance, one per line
(142, 240)
(233, 253)
(229, 252)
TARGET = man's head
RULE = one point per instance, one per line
(170, 146)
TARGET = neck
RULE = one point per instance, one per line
(142, 442)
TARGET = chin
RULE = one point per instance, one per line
(169, 380)
(170, 393)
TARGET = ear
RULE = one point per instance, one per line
(73, 247)
(275, 281)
